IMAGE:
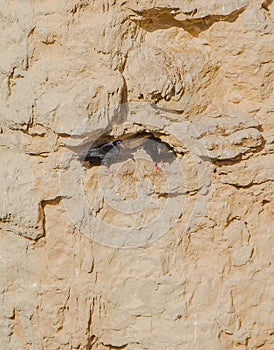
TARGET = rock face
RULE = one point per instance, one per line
(134, 257)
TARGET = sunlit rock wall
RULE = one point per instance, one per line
(191, 268)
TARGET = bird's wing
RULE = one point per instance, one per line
(107, 147)
(159, 151)
(95, 153)
(107, 150)
(112, 152)
(151, 147)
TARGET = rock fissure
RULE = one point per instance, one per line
(165, 18)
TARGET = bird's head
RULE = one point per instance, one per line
(119, 143)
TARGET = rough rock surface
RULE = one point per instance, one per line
(199, 76)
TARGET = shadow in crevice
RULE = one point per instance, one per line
(239, 158)
(157, 19)
(266, 4)
(158, 150)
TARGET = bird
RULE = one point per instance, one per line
(159, 152)
(102, 154)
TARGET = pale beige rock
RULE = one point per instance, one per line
(197, 75)
(241, 256)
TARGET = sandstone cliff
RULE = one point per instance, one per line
(136, 258)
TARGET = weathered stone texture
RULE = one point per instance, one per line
(198, 75)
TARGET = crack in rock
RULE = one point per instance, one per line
(165, 18)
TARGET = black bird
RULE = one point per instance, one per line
(102, 154)
(159, 152)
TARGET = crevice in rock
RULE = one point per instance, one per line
(42, 205)
(90, 338)
(251, 184)
(24, 127)
(10, 81)
(266, 4)
(42, 154)
(93, 340)
(123, 102)
(76, 9)
(113, 347)
(177, 112)
(238, 158)
(7, 218)
(164, 18)
(177, 194)
(150, 141)
(65, 135)
(221, 131)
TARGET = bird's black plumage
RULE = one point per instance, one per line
(103, 153)
(159, 152)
